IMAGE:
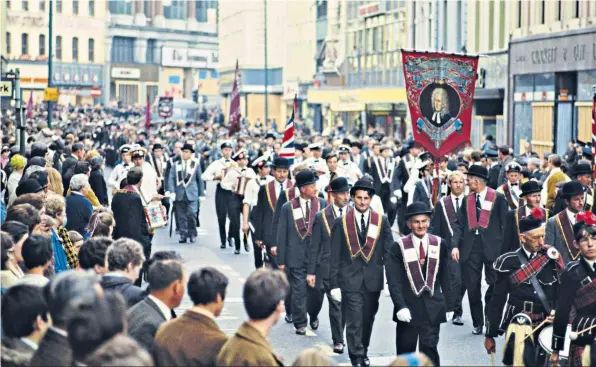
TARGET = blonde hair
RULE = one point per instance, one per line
(456, 174)
(405, 360)
(91, 154)
(55, 204)
(313, 357)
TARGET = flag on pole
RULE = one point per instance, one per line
(287, 146)
(148, 115)
(29, 114)
(235, 104)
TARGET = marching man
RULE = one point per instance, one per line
(346, 167)
(511, 189)
(121, 169)
(316, 160)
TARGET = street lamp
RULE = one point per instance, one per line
(50, 56)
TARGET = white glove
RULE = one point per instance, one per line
(336, 294)
(449, 315)
(404, 315)
(398, 193)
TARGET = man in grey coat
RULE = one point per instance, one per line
(185, 179)
(293, 240)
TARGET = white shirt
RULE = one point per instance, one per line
(482, 195)
(118, 174)
(165, 310)
(455, 204)
(303, 203)
(359, 215)
(528, 254)
(590, 262)
(336, 210)
(420, 242)
(59, 331)
(278, 188)
(215, 169)
(251, 193)
(30, 343)
(571, 216)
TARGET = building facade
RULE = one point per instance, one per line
(161, 48)
(552, 63)
(78, 47)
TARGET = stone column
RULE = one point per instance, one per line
(158, 19)
(190, 10)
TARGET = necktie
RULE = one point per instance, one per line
(422, 253)
(594, 266)
(456, 203)
(227, 161)
(362, 223)
(531, 256)
(307, 214)
(478, 206)
(341, 211)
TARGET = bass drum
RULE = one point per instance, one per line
(545, 340)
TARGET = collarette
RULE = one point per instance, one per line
(483, 193)
(165, 310)
(59, 331)
(33, 345)
(417, 241)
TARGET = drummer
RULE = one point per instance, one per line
(578, 293)
(518, 292)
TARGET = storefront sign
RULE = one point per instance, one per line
(373, 9)
(189, 58)
(50, 94)
(555, 53)
(126, 73)
(380, 107)
(27, 20)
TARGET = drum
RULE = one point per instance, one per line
(545, 340)
(155, 214)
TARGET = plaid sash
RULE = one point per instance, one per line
(328, 216)
(532, 268)
(586, 295)
(487, 207)
(351, 233)
(566, 231)
(412, 264)
(302, 227)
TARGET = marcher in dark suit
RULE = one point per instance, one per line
(78, 154)
(494, 167)
(97, 181)
(478, 240)
(382, 170)
(175, 340)
(294, 234)
(319, 257)
(423, 189)
(124, 259)
(583, 172)
(360, 241)
(167, 280)
(78, 208)
(422, 299)
(442, 223)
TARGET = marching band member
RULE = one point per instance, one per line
(119, 172)
(346, 166)
(578, 282)
(150, 181)
(251, 196)
(316, 160)
(423, 188)
(216, 171)
(326, 178)
(422, 298)
(185, 180)
(527, 281)
(158, 160)
(237, 178)
(511, 188)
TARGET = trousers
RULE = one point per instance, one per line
(455, 271)
(222, 198)
(472, 279)
(407, 336)
(337, 313)
(186, 214)
(298, 287)
(234, 212)
(361, 309)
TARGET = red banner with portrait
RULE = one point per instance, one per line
(440, 90)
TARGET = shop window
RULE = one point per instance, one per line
(202, 74)
(214, 74)
(42, 44)
(576, 9)
(8, 48)
(24, 44)
(519, 13)
(120, 7)
(75, 6)
(91, 50)
(201, 10)
(42, 5)
(25, 5)
(75, 49)
(8, 4)
(151, 46)
(91, 8)
(542, 12)
(58, 6)
(58, 53)
(176, 10)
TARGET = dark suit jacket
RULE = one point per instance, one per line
(175, 343)
(15, 353)
(319, 251)
(349, 275)
(426, 306)
(78, 213)
(492, 236)
(131, 293)
(247, 347)
(130, 217)
(420, 193)
(263, 215)
(493, 176)
(53, 350)
(291, 249)
(144, 319)
(439, 225)
(98, 185)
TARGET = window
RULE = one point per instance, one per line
(123, 50)
(42, 44)
(75, 6)
(25, 5)
(24, 44)
(176, 10)
(542, 11)
(150, 57)
(202, 74)
(58, 52)
(8, 48)
(214, 74)
(42, 5)
(120, 7)
(91, 8)
(58, 6)
(576, 9)
(519, 14)
(75, 49)
(91, 50)
(7, 4)
(322, 9)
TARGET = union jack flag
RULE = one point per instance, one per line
(287, 146)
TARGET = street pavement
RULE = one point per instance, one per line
(457, 345)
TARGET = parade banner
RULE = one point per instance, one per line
(234, 115)
(440, 92)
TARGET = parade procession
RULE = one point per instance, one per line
(355, 190)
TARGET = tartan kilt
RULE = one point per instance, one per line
(575, 355)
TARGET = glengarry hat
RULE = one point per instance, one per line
(478, 171)
(417, 208)
(532, 221)
(339, 184)
(305, 177)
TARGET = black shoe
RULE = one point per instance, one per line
(366, 361)
(246, 247)
(338, 348)
(231, 242)
(477, 330)
(457, 320)
(289, 319)
(236, 252)
(223, 245)
(192, 240)
(301, 331)
(182, 240)
(314, 324)
(358, 362)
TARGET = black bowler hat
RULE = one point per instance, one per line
(363, 184)
(571, 189)
(478, 171)
(582, 169)
(28, 186)
(157, 146)
(305, 177)
(530, 187)
(280, 162)
(188, 146)
(340, 184)
(417, 208)
(532, 221)
(269, 136)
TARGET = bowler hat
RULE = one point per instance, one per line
(363, 184)
(28, 186)
(157, 146)
(269, 136)
(478, 171)
(572, 188)
(188, 146)
(530, 187)
(417, 208)
(581, 169)
(305, 177)
(340, 184)
(281, 162)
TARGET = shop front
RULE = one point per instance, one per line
(551, 79)
(78, 83)
(489, 99)
(133, 84)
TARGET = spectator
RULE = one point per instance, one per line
(78, 208)
(173, 343)
(83, 168)
(124, 259)
(65, 293)
(101, 224)
(24, 323)
(167, 280)
(77, 240)
(78, 153)
(28, 186)
(121, 350)
(65, 255)
(37, 254)
(92, 255)
(264, 293)
(26, 214)
(42, 179)
(89, 327)
(17, 162)
(412, 359)
(97, 180)
(19, 233)
(314, 358)
(10, 272)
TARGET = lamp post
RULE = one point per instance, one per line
(266, 71)
(50, 56)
